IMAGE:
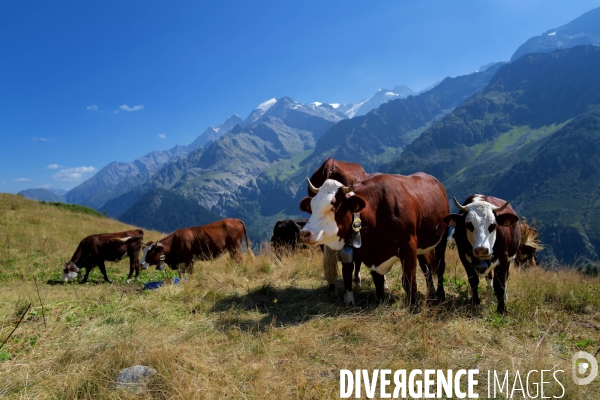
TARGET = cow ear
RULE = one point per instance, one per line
(506, 219)
(356, 203)
(451, 219)
(305, 205)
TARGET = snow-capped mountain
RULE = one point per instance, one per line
(213, 132)
(380, 97)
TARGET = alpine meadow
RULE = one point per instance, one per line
(319, 200)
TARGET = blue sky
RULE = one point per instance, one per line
(84, 83)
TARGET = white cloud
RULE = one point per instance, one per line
(52, 166)
(46, 186)
(92, 108)
(22, 180)
(125, 107)
(162, 136)
(73, 174)
(44, 139)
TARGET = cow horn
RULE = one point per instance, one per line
(498, 209)
(311, 187)
(349, 188)
(460, 206)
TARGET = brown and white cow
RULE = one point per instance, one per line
(487, 236)
(401, 217)
(182, 247)
(343, 172)
(96, 249)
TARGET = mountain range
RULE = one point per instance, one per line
(526, 131)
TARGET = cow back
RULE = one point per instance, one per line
(400, 209)
(341, 171)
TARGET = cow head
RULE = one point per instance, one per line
(69, 271)
(153, 254)
(332, 208)
(480, 220)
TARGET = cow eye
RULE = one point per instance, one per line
(470, 226)
(492, 228)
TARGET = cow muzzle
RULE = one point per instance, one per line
(482, 252)
(306, 237)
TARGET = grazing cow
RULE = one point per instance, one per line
(343, 172)
(96, 249)
(398, 218)
(182, 247)
(488, 236)
(286, 233)
(530, 244)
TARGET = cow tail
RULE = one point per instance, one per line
(330, 265)
(247, 241)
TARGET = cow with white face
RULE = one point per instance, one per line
(400, 218)
(487, 236)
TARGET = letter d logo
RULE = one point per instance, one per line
(580, 367)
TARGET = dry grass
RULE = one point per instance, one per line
(262, 329)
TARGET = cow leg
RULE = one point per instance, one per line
(103, 270)
(474, 283)
(379, 281)
(330, 267)
(500, 278)
(423, 263)
(440, 267)
(132, 267)
(181, 268)
(357, 264)
(347, 269)
(409, 274)
(87, 273)
(235, 254)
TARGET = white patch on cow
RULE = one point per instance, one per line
(349, 298)
(143, 263)
(385, 285)
(480, 214)
(385, 267)
(489, 281)
(321, 224)
(70, 277)
(490, 268)
(129, 281)
(427, 250)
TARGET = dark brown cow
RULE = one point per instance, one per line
(401, 218)
(182, 247)
(286, 234)
(487, 236)
(96, 249)
(345, 173)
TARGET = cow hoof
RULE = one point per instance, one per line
(349, 299)
(440, 296)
